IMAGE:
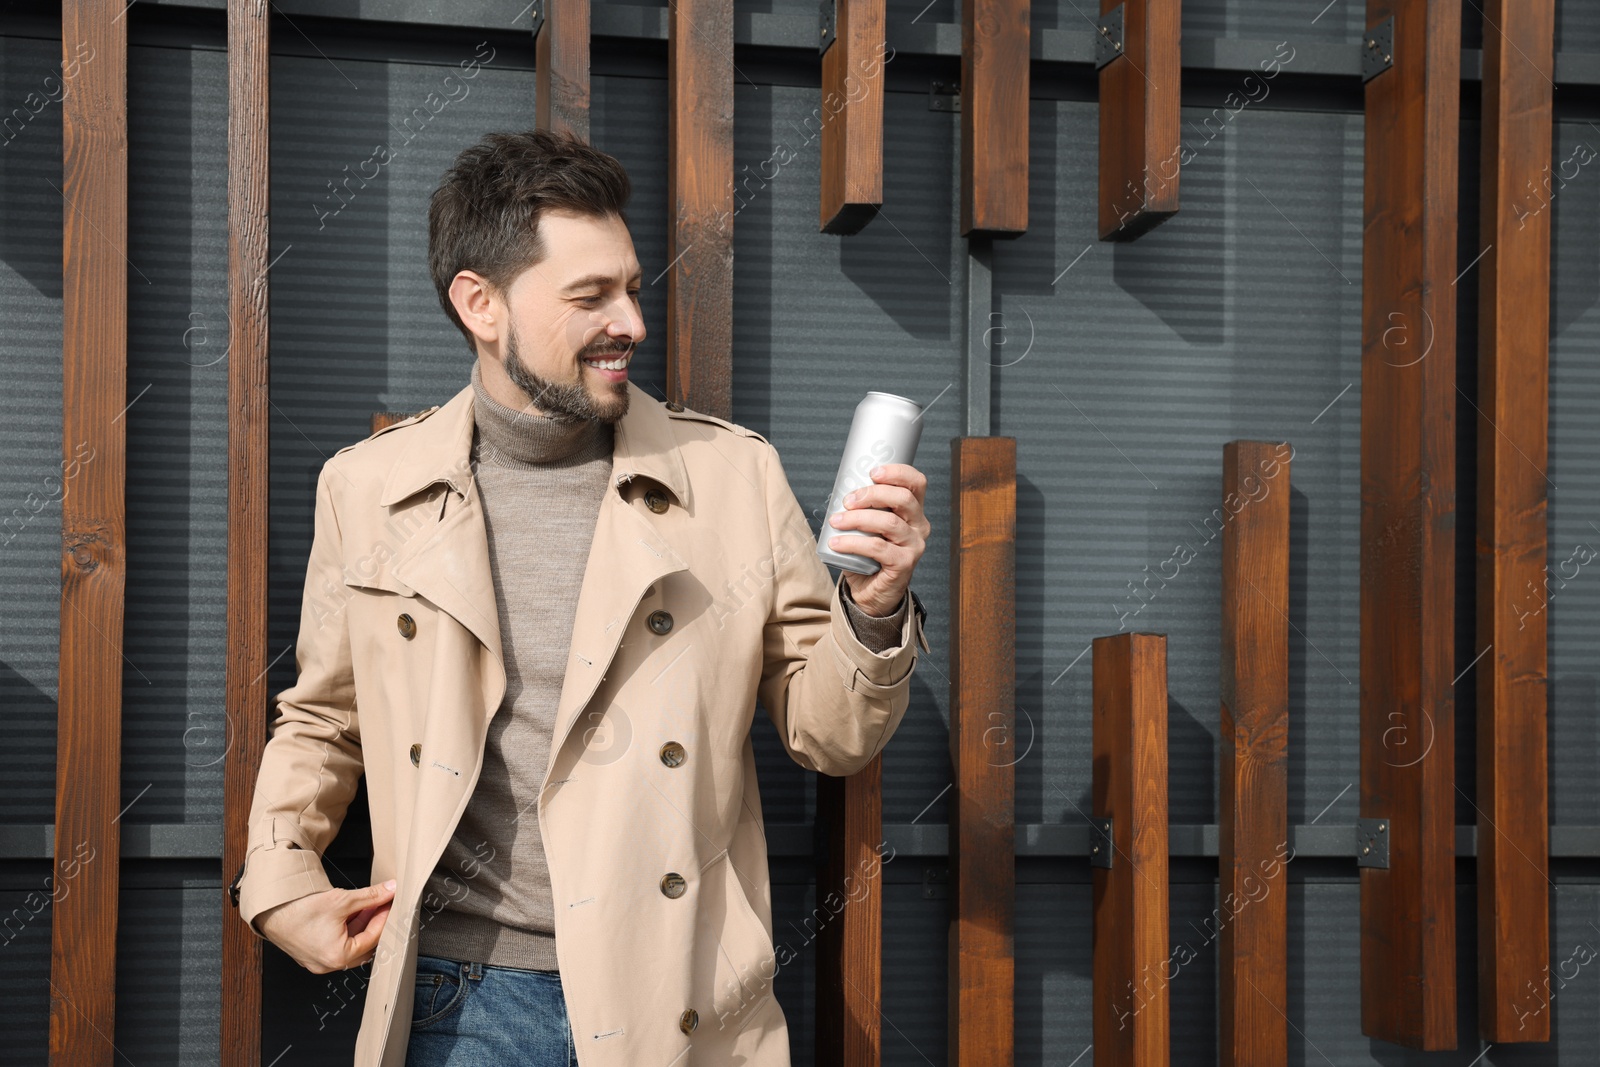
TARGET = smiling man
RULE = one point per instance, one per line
(538, 620)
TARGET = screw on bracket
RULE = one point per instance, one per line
(1101, 848)
(1377, 49)
(1372, 843)
(1108, 42)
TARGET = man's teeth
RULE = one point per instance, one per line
(608, 364)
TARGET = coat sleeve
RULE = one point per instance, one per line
(312, 762)
(835, 702)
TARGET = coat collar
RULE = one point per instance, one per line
(439, 449)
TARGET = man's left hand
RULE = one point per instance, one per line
(898, 489)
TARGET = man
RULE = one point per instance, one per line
(538, 619)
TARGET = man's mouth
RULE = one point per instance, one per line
(614, 361)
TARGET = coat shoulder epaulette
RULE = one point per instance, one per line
(409, 420)
(678, 411)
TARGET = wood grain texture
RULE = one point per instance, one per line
(1512, 583)
(848, 918)
(561, 69)
(1131, 1001)
(982, 957)
(1139, 139)
(851, 113)
(1253, 779)
(94, 372)
(1408, 402)
(994, 117)
(246, 694)
(700, 199)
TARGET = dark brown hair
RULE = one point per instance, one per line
(484, 216)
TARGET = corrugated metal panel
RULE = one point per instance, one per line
(169, 974)
(175, 632)
(819, 321)
(1577, 26)
(27, 892)
(1574, 516)
(31, 485)
(1237, 318)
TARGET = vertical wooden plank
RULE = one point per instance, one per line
(852, 117)
(1139, 140)
(1252, 887)
(1131, 1003)
(994, 117)
(1513, 448)
(94, 373)
(1408, 400)
(700, 196)
(247, 697)
(561, 68)
(850, 898)
(983, 545)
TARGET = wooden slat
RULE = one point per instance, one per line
(1513, 400)
(852, 116)
(994, 117)
(1129, 740)
(982, 959)
(94, 372)
(561, 68)
(1408, 403)
(1253, 812)
(1139, 139)
(700, 195)
(247, 698)
(850, 900)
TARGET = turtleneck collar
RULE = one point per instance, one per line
(506, 437)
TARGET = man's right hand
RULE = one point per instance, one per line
(333, 930)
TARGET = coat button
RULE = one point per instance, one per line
(673, 405)
(660, 621)
(408, 626)
(688, 1020)
(655, 500)
(672, 884)
(416, 755)
(672, 754)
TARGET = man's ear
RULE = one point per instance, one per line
(475, 301)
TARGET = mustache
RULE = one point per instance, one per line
(609, 350)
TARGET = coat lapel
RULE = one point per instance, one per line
(450, 567)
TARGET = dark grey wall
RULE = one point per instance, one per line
(1122, 371)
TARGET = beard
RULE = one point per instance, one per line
(566, 401)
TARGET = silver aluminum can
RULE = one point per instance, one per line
(886, 429)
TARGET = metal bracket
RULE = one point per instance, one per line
(1100, 847)
(827, 23)
(935, 883)
(536, 9)
(1108, 43)
(1377, 49)
(1372, 843)
(944, 96)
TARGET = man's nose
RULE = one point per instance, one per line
(629, 323)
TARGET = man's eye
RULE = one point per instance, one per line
(588, 301)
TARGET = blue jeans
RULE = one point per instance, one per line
(473, 1013)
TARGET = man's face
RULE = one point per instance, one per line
(574, 319)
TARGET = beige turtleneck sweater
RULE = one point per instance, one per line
(540, 481)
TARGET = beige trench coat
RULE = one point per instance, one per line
(400, 671)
